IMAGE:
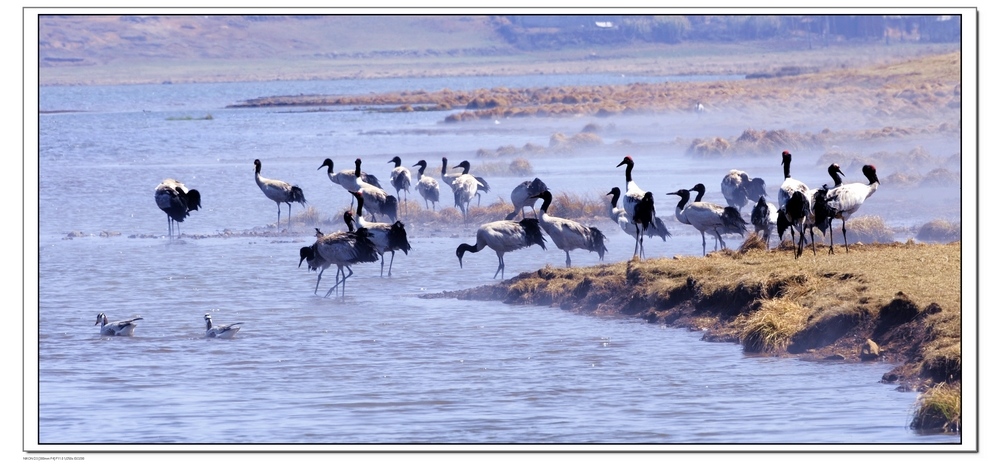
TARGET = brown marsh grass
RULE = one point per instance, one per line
(939, 409)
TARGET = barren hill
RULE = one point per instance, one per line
(111, 49)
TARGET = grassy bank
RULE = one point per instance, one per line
(898, 303)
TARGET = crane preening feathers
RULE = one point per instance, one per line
(177, 201)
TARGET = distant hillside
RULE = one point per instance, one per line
(88, 40)
(109, 49)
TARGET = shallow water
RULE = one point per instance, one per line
(382, 364)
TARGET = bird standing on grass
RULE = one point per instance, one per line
(764, 218)
(734, 223)
(645, 212)
(568, 234)
(797, 215)
(279, 191)
(843, 201)
(177, 201)
(618, 215)
(633, 193)
(705, 216)
(504, 236)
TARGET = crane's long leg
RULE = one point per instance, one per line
(391, 258)
(718, 237)
(843, 226)
(320, 277)
(704, 251)
(568, 262)
(343, 281)
(635, 252)
(499, 266)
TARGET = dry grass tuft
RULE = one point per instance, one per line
(709, 148)
(940, 231)
(753, 241)
(939, 409)
(517, 167)
(865, 229)
(941, 177)
(575, 206)
(772, 327)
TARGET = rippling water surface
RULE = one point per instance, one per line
(382, 364)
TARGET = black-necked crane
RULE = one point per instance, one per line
(633, 193)
(618, 215)
(788, 187)
(483, 187)
(464, 187)
(799, 215)
(738, 188)
(399, 178)
(279, 191)
(567, 234)
(377, 201)
(220, 331)
(388, 237)
(123, 328)
(730, 214)
(835, 173)
(177, 201)
(645, 212)
(345, 178)
(843, 201)
(705, 216)
(764, 218)
(520, 196)
(341, 249)
(504, 236)
(448, 178)
(427, 187)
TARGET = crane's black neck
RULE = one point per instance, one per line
(685, 195)
(615, 195)
(837, 180)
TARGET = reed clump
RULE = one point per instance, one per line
(939, 409)
(863, 229)
(940, 231)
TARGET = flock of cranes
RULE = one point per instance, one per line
(798, 209)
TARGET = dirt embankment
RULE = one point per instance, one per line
(897, 303)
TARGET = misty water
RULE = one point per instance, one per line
(385, 364)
